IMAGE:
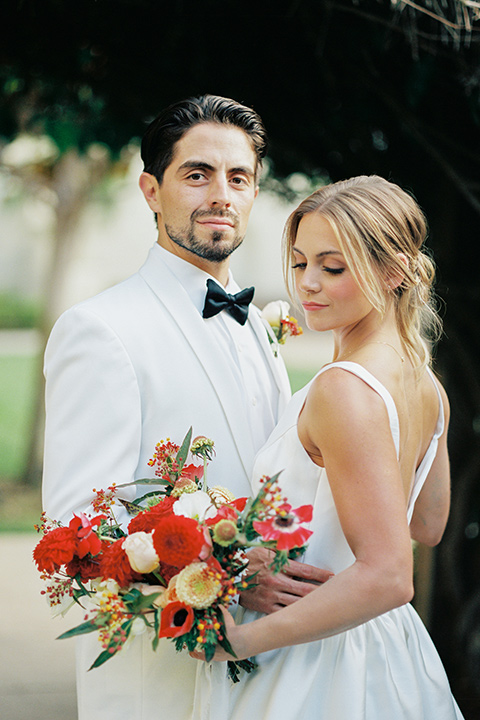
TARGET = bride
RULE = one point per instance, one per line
(365, 444)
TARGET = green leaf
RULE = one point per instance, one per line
(153, 493)
(234, 667)
(130, 507)
(103, 657)
(184, 448)
(146, 481)
(83, 629)
(209, 649)
(112, 648)
(137, 601)
(156, 638)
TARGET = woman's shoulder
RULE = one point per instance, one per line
(346, 388)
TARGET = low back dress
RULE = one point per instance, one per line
(384, 669)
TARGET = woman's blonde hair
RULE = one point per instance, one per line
(374, 221)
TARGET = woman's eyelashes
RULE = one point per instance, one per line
(331, 270)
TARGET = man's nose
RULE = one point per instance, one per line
(219, 193)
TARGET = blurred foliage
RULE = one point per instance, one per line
(18, 312)
(344, 88)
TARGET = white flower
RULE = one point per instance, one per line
(110, 586)
(197, 505)
(140, 552)
(276, 311)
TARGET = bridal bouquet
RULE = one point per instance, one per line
(182, 559)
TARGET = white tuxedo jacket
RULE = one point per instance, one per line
(125, 370)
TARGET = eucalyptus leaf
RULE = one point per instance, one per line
(184, 448)
(145, 481)
(82, 629)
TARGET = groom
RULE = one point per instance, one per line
(158, 353)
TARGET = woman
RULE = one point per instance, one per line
(365, 443)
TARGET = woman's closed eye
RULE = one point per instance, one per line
(334, 271)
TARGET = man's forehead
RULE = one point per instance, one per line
(214, 144)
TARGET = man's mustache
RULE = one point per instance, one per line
(215, 213)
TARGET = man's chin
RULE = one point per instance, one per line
(216, 251)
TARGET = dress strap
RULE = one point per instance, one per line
(423, 469)
(376, 385)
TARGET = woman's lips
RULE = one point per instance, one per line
(313, 306)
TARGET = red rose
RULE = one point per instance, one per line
(178, 540)
(176, 619)
(115, 564)
(148, 519)
(55, 549)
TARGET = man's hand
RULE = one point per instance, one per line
(276, 591)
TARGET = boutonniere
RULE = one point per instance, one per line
(281, 323)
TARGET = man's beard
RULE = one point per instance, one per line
(212, 249)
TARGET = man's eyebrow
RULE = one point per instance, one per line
(244, 170)
(202, 165)
(192, 164)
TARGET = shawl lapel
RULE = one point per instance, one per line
(262, 331)
(177, 303)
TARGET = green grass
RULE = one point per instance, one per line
(20, 506)
(17, 388)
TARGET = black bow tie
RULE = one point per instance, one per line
(217, 300)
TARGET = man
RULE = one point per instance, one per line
(148, 358)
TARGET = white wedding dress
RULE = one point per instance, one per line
(385, 669)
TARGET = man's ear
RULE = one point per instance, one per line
(395, 276)
(150, 189)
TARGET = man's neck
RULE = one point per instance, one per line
(217, 270)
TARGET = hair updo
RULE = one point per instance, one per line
(374, 221)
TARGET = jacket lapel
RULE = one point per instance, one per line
(177, 303)
(262, 331)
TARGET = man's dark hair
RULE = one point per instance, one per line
(158, 144)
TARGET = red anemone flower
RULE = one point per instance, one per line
(229, 511)
(285, 528)
(176, 619)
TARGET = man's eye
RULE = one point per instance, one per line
(196, 176)
(238, 180)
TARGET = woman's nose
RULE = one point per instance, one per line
(309, 282)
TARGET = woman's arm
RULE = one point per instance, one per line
(348, 423)
(433, 503)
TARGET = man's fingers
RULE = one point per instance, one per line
(306, 573)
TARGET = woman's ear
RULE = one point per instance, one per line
(395, 276)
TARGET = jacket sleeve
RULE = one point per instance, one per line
(93, 414)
